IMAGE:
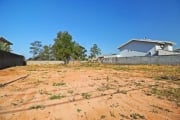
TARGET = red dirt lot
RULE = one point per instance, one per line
(90, 92)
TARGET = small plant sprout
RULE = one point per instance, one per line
(62, 83)
(86, 95)
(137, 116)
(37, 107)
(56, 97)
(103, 116)
(79, 110)
(112, 114)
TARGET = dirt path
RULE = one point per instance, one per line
(82, 93)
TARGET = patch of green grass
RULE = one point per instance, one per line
(79, 110)
(41, 91)
(160, 108)
(90, 64)
(172, 94)
(59, 84)
(137, 116)
(124, 116)
(86, 95)
(167, 77)
(37, 107)
(56, 97)
(44, 92)
(121, 68)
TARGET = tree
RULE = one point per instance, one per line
(35, 49)
(79, 52)
(46, 53)
(63, 47)
(95, 51)
(5, 47)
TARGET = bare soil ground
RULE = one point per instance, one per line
(90, 92)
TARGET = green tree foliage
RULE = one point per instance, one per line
(36, 48)
(5, 47)
(63, 46)
(47, 53)
(65, 49)
(79, 52)
(94, 51)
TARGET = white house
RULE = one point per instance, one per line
(146, 47)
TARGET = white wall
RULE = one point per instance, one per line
(166, 59)
(136, 48)
(168, 47)
(158, 47)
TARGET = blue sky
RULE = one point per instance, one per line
(108, 23)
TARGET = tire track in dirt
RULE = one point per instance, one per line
(65, 102)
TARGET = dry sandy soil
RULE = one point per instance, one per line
(90, 92)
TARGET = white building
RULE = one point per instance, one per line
(146, 47)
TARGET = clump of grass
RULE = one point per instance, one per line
(167, 77)
(37, 107)
(160, 108)
(86, 95)
(59, 84)
(112, 114)
(121, 67)
(103, 116)
(56, 97)
(121, 91)
(90, 64)
(44, 92)
(41, 91)
(79, 110)
(172, 94)
(137, 116)
(137, 84)
(124, 116)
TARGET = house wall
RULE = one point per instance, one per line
(158, 47)
(165, 52)
(165, 59)
(9, 59)
(168, 47)
(136, 48)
